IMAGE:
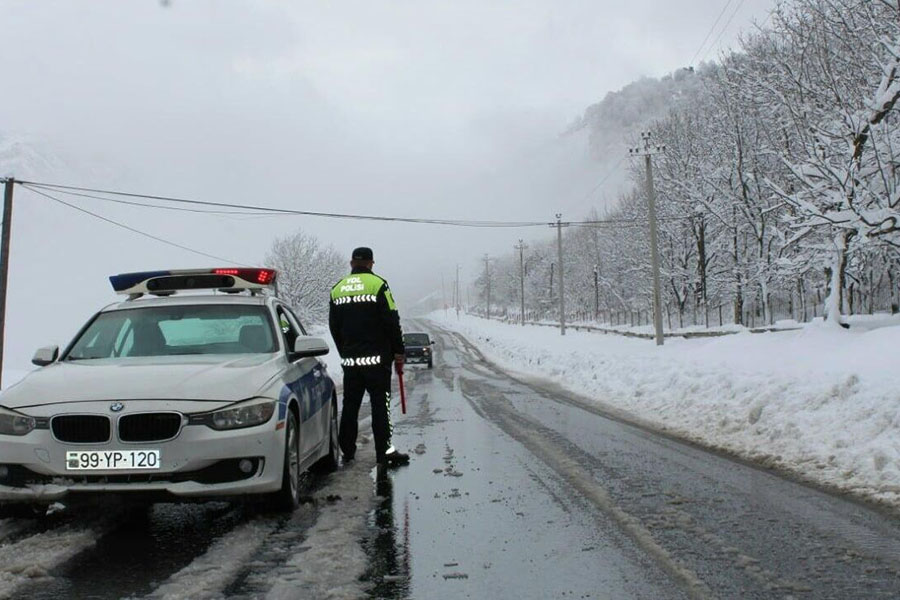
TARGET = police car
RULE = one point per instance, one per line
(211, 394)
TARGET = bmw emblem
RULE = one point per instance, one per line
(116, 407)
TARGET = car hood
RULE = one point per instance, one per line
(221, 378)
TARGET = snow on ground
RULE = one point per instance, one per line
(331, 560)
(35, 556)
(820, 401)
(208, 575)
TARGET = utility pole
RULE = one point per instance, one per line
(456, 294)
(562, 294)
(550, 290)
(4, 261)
(487, 282)
(596, 292)
(648, 151)
(521, 248)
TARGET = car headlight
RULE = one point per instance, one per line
(13, 423)
(245, 415)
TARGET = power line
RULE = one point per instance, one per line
(612, 171)
(132, 229)
(144, 204)
(725, 28)
(285, 211)
(243, 209)
(709, 33)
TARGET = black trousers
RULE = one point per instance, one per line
(357, 381)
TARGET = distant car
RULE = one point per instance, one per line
(418, 348)
(216, 394)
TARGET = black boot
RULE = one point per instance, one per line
(394, 459)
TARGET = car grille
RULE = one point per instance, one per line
(149, 427)
(81, 429)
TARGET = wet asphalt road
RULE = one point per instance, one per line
(516, 489)
(524, 491)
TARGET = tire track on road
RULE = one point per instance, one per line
(35, 556)
(495, 408)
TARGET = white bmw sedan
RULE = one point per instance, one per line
(174, 395)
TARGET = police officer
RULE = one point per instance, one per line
(365, 325)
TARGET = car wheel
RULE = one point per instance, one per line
(430, 364)
(329, 462)
(287, 498)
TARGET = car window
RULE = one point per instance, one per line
(176, 330)
(416, 339)
(290, 329)
(296, 320)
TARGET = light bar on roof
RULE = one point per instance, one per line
(169, 282)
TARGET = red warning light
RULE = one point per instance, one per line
(261, 276)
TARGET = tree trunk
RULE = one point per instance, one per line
(836, 273)
(738, 292)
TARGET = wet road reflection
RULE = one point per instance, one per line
(388, 543)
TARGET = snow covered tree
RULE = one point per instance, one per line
(306, 271)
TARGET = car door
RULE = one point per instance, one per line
(302, 378)
(320, 390)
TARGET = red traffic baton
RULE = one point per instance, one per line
(402, 388)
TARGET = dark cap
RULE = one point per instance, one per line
(363, 253)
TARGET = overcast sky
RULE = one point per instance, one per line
(434, 109)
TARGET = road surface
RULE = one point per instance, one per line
(516, 490)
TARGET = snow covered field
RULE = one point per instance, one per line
(821, 402)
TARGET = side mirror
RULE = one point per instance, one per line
(305, 347)
(431, 343)
(45, 356)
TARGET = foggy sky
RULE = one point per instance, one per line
(425, 109)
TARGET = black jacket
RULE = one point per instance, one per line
(364, 321)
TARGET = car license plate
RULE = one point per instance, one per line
(112, 460)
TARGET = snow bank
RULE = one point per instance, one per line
(820, 401)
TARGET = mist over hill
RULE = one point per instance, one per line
(613, 124)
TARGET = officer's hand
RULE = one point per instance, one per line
(398, 363)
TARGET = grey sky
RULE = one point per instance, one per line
(444, 109)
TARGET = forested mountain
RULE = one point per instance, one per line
(778, 191)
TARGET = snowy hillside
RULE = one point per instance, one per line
(820, 402)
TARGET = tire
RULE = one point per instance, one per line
(430, 364)
(287, 499)
(329, 462)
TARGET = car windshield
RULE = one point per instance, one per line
(176, 330)
(416, 339)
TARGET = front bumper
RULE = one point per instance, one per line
(417, 356)
(198, 462)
